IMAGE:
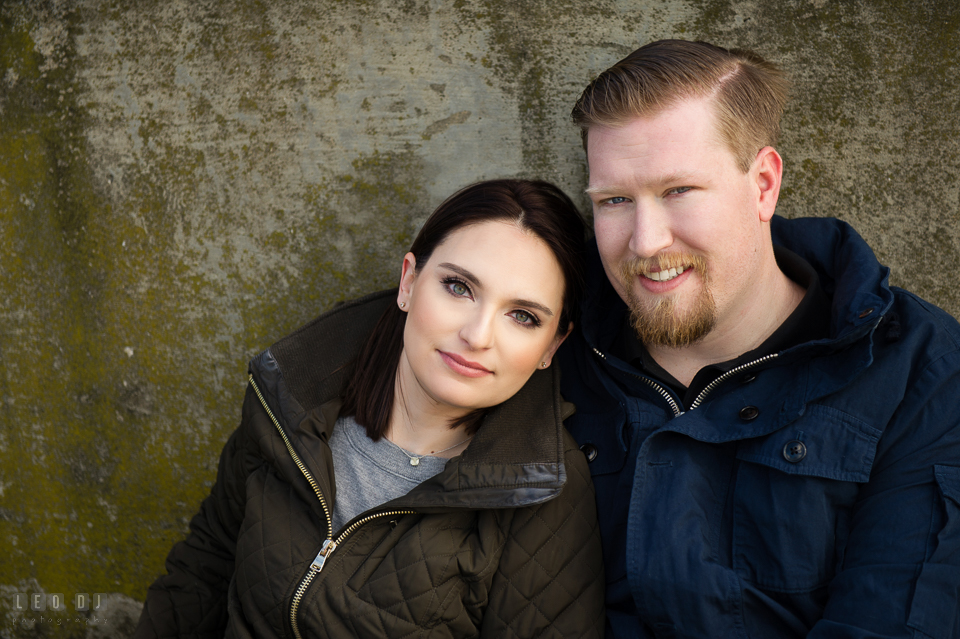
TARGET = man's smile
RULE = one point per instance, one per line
(665, 275)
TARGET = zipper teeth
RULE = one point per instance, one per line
(657, 387)
(297, 596)
(730, 373)
(706, 391)
(293, 454)
(343, 535)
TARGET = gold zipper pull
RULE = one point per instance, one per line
(328, 547)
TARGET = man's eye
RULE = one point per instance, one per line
(616, 200)
(679, 190)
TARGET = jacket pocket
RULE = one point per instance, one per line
(794, 492)
(934, 610)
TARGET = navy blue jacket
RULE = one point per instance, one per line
(816, 493)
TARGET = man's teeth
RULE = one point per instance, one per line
(664, 276)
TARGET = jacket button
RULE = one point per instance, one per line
(794, 451)
(749, 377)
(865, 313)
(749, 413)
(589, 451)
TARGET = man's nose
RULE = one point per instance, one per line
(652, 232)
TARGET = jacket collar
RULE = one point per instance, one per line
(515, 459)
(849, 274)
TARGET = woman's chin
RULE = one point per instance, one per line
(456, 398)
(447, 389)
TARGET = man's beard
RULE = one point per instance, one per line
(661, 323)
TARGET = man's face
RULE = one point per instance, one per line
(678, 225)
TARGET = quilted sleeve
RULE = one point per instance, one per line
(549, 582)
(191, 599)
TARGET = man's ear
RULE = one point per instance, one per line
(408, 277)
(768, 169)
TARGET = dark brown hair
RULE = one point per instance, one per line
(749, 93)
(538, 207)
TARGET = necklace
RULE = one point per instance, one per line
(415, 459)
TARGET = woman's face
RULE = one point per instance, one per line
(482, 316)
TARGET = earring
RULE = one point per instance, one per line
(403, 304)
(543, 364)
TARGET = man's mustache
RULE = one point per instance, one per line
(663, 262)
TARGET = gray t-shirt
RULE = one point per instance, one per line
(370, 473)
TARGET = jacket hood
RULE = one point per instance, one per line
(849, 271)
(515, 459)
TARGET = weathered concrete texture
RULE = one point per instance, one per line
(183, 182)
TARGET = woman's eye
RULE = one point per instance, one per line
(456, 287)
(525, 318)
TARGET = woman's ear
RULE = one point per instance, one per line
(554, 345)
(408, 276)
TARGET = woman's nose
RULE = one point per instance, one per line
(478, 331)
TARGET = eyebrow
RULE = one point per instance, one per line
(663, 180)
(590, 190)
(473, 279)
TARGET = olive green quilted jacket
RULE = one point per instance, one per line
(503, 543)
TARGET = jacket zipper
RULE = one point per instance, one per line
(730, 373)
(657, 387)
(293, 453)
(706, 391)
(329, 545)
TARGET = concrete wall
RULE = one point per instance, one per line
(184, 181)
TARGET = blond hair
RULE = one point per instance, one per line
(748, 93)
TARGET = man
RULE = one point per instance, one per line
(772, 430)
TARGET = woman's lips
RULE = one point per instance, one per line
(464, 366)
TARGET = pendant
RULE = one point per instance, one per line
(414, 461)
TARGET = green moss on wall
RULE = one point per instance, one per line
(64, 451)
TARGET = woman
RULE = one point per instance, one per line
(410, 478)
